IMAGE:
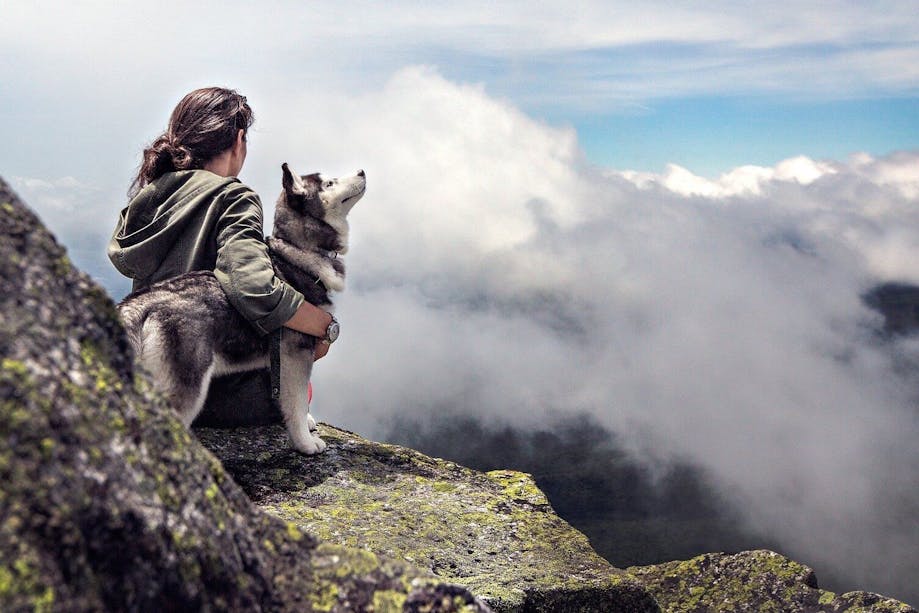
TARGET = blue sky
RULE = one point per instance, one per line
(711, 135)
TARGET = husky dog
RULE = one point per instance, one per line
(185, 331)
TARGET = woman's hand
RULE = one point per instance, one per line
(312, 320)
(321, 349)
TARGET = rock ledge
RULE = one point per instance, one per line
(494, 533)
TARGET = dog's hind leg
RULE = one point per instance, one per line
(181, 370)
(194, 396)
(295, 372)
(310, 420)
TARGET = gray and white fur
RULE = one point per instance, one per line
(184, 331)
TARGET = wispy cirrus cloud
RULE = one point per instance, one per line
(596, 52)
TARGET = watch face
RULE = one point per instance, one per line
(332, 331)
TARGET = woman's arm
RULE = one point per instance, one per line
(312, 320)
(244, 268)
(245, 271)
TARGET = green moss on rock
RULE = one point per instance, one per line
(494, 533)
(761, 581)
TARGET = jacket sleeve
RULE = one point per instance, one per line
(244, 268)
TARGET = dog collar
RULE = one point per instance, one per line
(329, 255)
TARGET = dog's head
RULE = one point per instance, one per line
(310, 202)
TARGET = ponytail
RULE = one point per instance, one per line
(203, 125)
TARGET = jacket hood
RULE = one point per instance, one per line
(157, 216)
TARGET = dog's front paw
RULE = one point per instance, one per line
(311, 423)
(309, 444)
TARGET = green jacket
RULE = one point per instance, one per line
(197, 220)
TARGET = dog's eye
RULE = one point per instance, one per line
(327, 184)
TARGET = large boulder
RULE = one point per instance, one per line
(108, 503)
(494, 532)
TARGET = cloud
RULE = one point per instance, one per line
(595, 55)
(81, 216)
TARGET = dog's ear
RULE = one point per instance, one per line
(301, 193)
(291, 181)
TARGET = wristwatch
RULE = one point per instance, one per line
(331, 333)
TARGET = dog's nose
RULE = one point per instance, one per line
(360, 173)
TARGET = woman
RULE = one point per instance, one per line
(188, 211)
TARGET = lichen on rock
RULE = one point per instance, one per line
(494, 533)
(761, 581)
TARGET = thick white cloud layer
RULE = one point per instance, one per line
(493, 271)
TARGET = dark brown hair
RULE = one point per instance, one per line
(203, 125)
